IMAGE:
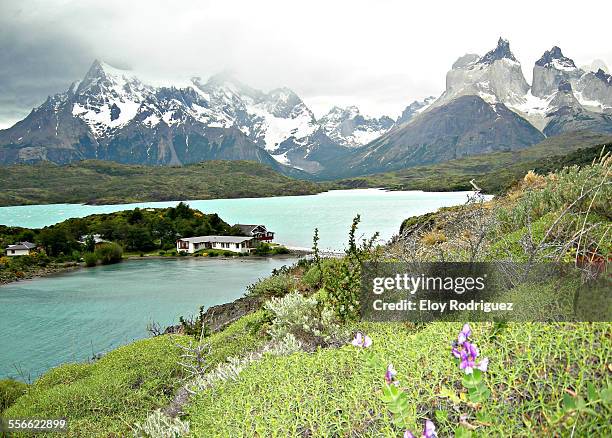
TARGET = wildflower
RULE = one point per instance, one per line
(468, 355)
(430, 430)
(483, 365)
(361, 340)
(456, 350)
(464, 334)
(408, 434)
(390, 375)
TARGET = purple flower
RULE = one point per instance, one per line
(430, 430)
(468, 355)
(390, 375)
(455, 351)
(464, 334)
(408, 434)
(361, 340)
(483, 365)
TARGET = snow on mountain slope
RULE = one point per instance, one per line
(108, 98)
(414, 109)
(497, 77)
(349, 128)
(111, 113)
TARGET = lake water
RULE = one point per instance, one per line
(293, 218)
(68, 317)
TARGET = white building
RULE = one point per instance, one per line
(19, 249)
(238, 244)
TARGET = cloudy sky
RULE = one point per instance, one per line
(378, 55)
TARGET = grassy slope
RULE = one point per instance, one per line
(106, 397)
(333, 393)
(494, 172)
(108, 182)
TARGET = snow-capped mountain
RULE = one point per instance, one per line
(348, 127)
(487, 106)
(495, 77)
(416, 107)
(112, 114)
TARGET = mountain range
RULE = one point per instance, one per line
(487, 106)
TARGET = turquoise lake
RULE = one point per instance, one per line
(293, 218)
(69, 317)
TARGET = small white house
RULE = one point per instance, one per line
(237, 244)
(19, 249)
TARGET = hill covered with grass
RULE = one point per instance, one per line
(495, 172)
(105, 182)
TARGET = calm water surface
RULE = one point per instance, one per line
(293, 218)
(68, 317)
(49, 321)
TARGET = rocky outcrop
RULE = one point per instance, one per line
(216, 318)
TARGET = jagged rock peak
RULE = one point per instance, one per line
(595, 65)
(565, 86)
(466, 60)
(502, 51)
(605, 77)
(555, 58)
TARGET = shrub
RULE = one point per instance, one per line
(162, 253)
(195, 326)
(109, 253)
(10, 391)
(298, 316)
(158, 425)
(433, 237)
(91, 259)
(262, 249)
(312, 277)
(274, 286)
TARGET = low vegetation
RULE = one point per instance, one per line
(104, 182)
(496, 172)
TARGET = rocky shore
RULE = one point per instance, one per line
(9, 276)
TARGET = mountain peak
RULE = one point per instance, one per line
(502, 51)
(555, 58)
(224, 78)
(605, 77)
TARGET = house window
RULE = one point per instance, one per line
(12, 251)
(237, 245)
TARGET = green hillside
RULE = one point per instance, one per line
(495, 172)
(104, 182)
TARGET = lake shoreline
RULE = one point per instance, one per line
(59, 269)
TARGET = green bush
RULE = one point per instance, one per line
(109, 253)
(274, 286)
(335, 392)
(10, 391)
(266, 249)
(298, 317)
(91, 259)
